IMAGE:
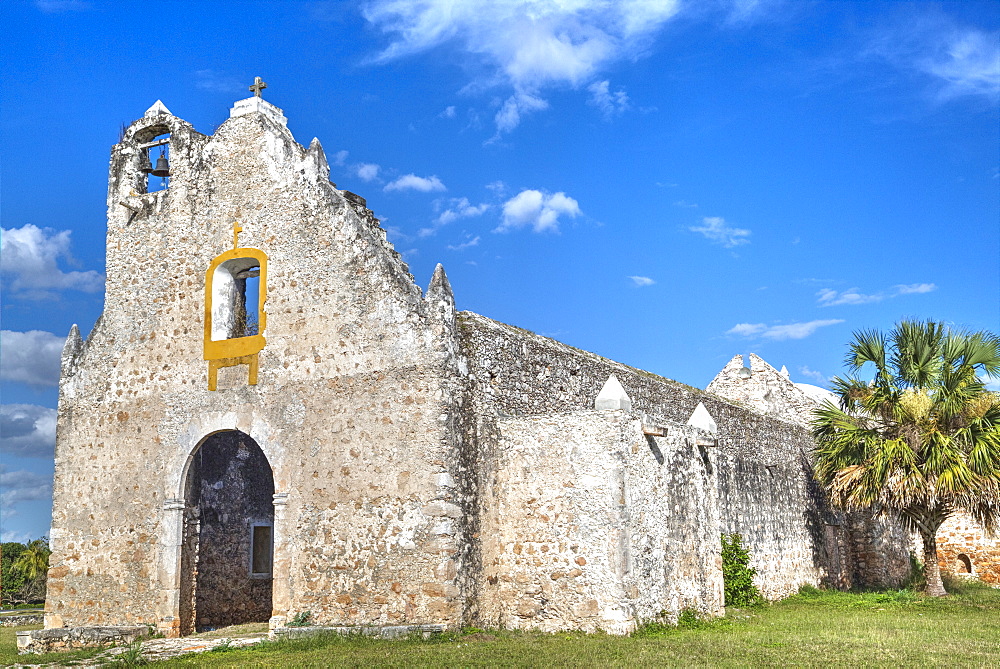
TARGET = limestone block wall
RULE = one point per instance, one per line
(353, 383)
(965, 548)
(589, 524)
(765, 489)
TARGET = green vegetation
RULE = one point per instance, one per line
(22, 572)
(921, 441)
(9, 656)
(813, 628)
(737, 574)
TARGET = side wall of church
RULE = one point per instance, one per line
(353, 383)
(765, 490)
(590, 524)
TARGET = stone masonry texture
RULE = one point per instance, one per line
(412, 465)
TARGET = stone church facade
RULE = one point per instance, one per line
(271, 418)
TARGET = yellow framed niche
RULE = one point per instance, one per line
(235, 320)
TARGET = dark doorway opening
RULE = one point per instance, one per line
(227, 553)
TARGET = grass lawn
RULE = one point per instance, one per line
(9, 656)
(816, 628)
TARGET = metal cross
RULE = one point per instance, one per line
(237, 229)
(258, 86)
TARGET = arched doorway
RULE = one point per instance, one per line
(227, 546)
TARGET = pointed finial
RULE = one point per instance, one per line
(258, 86)
(613, 397)
(157, 109)
(701, 419)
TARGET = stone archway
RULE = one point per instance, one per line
(227, 544)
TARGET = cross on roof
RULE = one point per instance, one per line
(258, 86)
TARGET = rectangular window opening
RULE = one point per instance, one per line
(261, 550)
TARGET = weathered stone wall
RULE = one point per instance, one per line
(588, 523)
(960, 535)
(353, 383)
(766, 491)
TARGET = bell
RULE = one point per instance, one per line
(144, 165)
(162, 167)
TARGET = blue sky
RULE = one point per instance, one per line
(663, 183)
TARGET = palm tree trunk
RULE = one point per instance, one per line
(932, 570)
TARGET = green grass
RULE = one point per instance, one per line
(813, 628)
(9, 656)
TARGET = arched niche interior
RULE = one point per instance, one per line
(227, 545)
(153, 143)
(964, 564)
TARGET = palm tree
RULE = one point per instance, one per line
(33, 560)
(921, 440)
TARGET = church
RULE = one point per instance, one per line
(271, 422)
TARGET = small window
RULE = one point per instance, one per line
(236, 299)
(964, 564)
(261, 549)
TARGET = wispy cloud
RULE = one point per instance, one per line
(539, 210)
(29, 259)
(57, 6)
(27, 430)
(525, 46)
(218, 82)
(413, 182)
(340, 157)
(610, 103)
(716, 230)
(367, 171)
(685, 204)
(641, 281)
(31, 357)
(818, 377)
(449, 112)
(958, 60)
(454, 209)
(464, 245)
(21, 486)
(780, 332)
(827, 297)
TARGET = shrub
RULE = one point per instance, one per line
(737, 574)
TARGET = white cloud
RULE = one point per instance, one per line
(537, 209)
(456, 208)
(959, 60)
(219, 82)
(29, 256)
(340, 157)
(610, 104)
(991, 383)
(967, 62)
(509, 116)
(827, 297)
(413, 182)
(56, 6)
(32, 357)
(525, 45)
(642, 281)
(449, 112)
(685, 204)
(914, 288)
(464, 245)
(818, 377)
(21, 486)
(717, 231)
(367, 171)
(27, 430)
(781, 332)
